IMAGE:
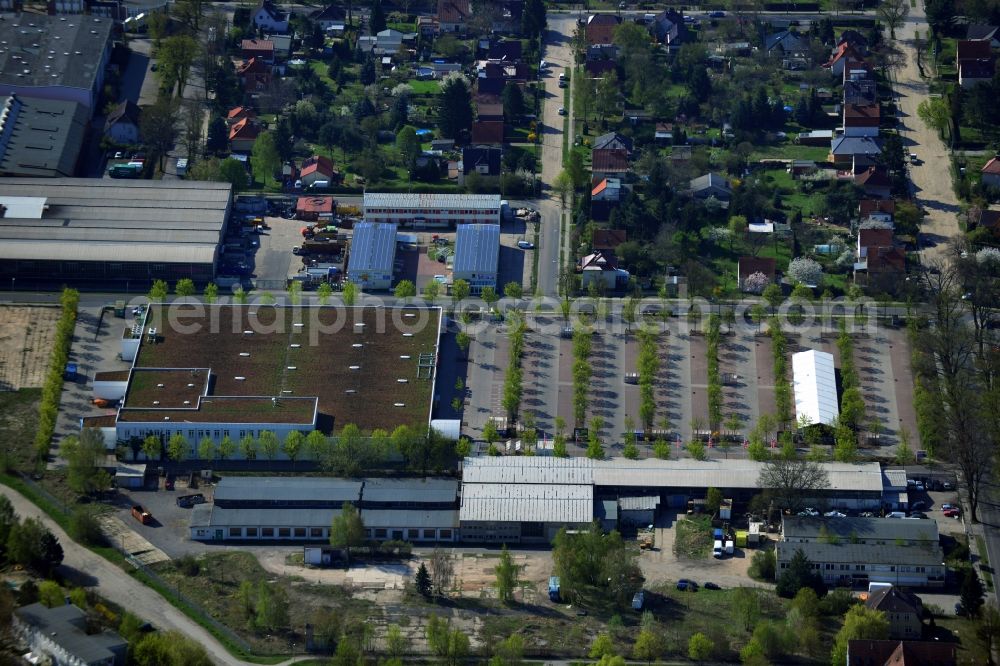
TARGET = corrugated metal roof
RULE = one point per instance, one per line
(506, 502)
(447, 519)
(315, 517)
(851, 553)
(277, 488)
(890, 529)
(648, 503)
(726, 473)
(477, 249)
(115, 220)
(201, 515)
(432, 200)
(527, 469)
(373, 248)
(410, 490)
(815, 385)
(894, 478)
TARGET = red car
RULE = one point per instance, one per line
(952, 512)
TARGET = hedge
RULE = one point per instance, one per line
(48, 408)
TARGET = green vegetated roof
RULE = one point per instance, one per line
(353, 360)
(230, 410)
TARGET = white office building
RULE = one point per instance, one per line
(430, 211)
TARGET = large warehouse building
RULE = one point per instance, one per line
(237, 370)
(528, 499)
(373, 254)
(431, 211)
(59, 58)
(40, 137)
(76, 230)
(477, 255)
(302, 509)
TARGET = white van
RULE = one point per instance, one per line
(562, 76)
(717, 550)
(896, 514)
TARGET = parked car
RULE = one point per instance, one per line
(953, 513)
(948, 505)
(188, 501)
(947, 486)
(525, 245)
(684, 584)
(711, 586)
(717, 14)
(918, 506)
(835, 514)
(562, 110)
(918, 514)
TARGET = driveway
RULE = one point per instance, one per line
(931, 178)
(90, 570)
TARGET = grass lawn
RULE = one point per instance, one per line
(422, 87)
(694, 537)
(18, 418)
(791, 151)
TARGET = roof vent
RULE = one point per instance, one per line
(402, 380)
(244, 353)
(409, 314)
(239, 379)
(187, 402)
(247, 332)
(156, 402)
(190, 385)
(354, 367)
(405, 357)
(298, 325)
(350, 391)
(399, 404)
(360, 324)
(286, 391)
(357, 345)
(166, 418)
(295, 345)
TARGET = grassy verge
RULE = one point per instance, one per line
(694, 537)
(985, 568)
(48, 408)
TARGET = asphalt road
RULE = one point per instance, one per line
(93, 571)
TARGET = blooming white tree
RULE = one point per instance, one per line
(402, 89)
(806, 271)
(988, 255)
(755, 283)
(846, 259)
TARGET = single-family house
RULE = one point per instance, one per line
(605, 195)
(860, 91)
(602, 52)
(443, 145)
(990, 173)
(122, 124)
(984, 33)
(428, 26)
(606, 240)
(255, 74)
(866, 652)
(488, 107)
(609, 162)
(903, 610)
(268, 17)
(482, 160)
(858, 41)
(877, 256)
(488, 132)
(601, 268)
(386, 42)
(510, 72)
(612, 141)
(315, 208)
(975, 62)
(238, 113)
(668, 28)
(875, 181)
(876, 210)
(861, 120)
(258, 48)
(452, 15)
(509, 50)
(58, 635)
(318, 168)
(711, 185)
(282, 47)
(854, 152)
(507, 16)
(747, 266)
(985, 218)
(841, 55)
(856, 69)
(330, 16)
(786, 43)
(598, 69)
(663, 133)
(601, 28)
(242, 136)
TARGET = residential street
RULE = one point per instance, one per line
(559, 55)
(93, 571)
(931, 178)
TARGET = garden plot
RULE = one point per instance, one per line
(26, 337)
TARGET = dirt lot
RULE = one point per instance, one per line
(26, 336)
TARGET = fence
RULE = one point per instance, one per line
(193, 609)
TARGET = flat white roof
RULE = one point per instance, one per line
(414, 200)
(815, 385)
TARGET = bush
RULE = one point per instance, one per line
(84, 527)
(188, 565)
(48, 407)
(837, 602)
(763, 565)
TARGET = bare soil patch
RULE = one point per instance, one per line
(26, 336)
